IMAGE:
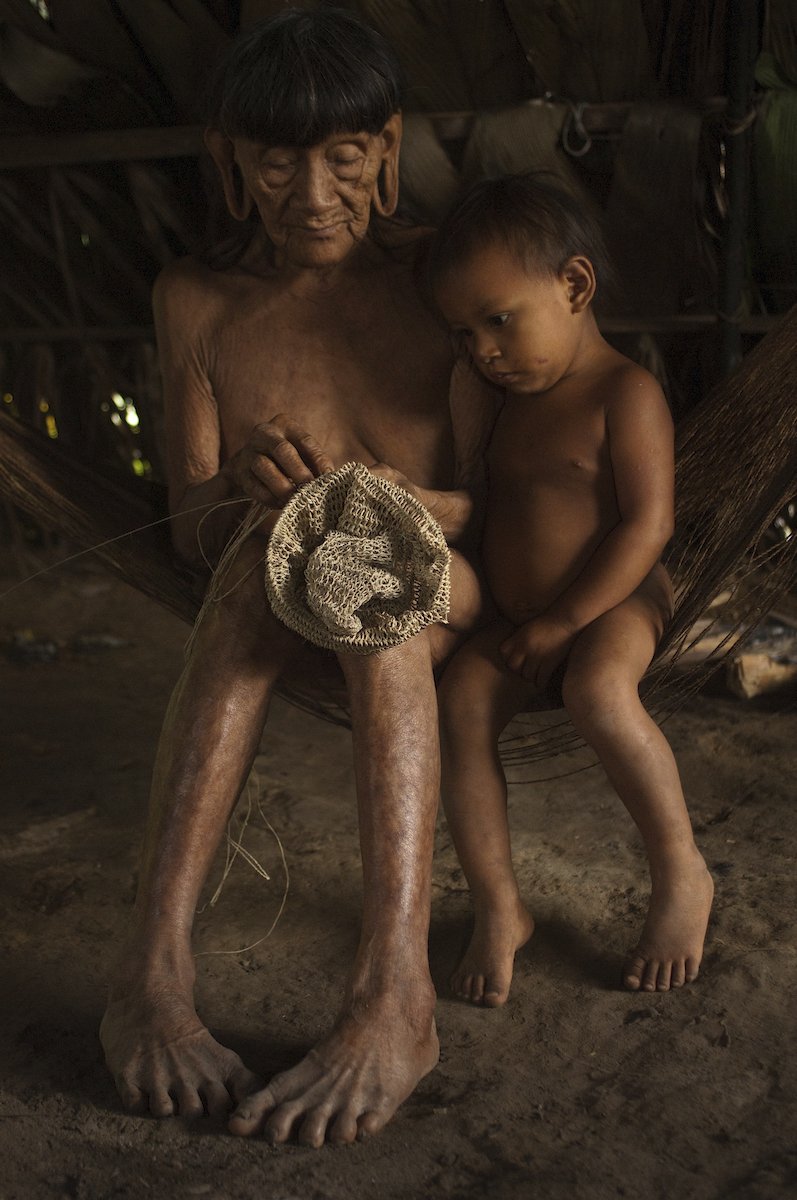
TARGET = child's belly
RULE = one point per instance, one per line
(534, 549)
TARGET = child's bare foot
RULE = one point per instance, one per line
(485, 973)
(671, 946)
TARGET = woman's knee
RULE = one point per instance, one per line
(237, 613)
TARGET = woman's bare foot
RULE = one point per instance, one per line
(163, 1059)
(670, 949)
(485, 973)
(350, 1085)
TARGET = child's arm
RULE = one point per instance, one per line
(640, 433)
(474, 405)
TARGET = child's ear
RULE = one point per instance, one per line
(578, 275)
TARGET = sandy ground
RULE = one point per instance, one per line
(573, 1090)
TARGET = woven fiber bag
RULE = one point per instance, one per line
(355, 563)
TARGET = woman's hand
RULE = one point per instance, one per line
(277, 459)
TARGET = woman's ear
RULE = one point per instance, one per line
(386, 190)
(239, 202)
(578, 275)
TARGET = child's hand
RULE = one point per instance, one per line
(537, 648)
(393, 476)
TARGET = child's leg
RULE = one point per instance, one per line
(477, 698)
(601, 695)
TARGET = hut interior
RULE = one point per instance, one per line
(678, 122)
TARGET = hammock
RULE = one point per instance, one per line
(736, 470)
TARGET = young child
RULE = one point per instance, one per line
(579, 510)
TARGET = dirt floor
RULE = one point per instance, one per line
(574, 1090)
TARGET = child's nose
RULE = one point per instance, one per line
(485, 348)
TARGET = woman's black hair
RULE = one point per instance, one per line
(533, 216)
(300, 77)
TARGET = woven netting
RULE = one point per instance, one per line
(357, 564)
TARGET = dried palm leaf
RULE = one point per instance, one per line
(37, 310)
(38, 74)
(260, 10)
(439, 43)
(158, 210)
(24, 219)
(22, 15)
(91, 33)
(180, 42)
(689, 37)
(421, 36)
(583, 50)
(89, 220)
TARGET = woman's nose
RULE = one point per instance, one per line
(313, 187)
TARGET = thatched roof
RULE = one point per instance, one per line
(109, 97)
(102, 180)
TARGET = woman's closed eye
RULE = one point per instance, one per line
(348, 167)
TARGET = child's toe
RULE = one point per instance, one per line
(692, 969)
(477, 989)
(678, 974)
(632, 973)
(650, 975)
(664, 977)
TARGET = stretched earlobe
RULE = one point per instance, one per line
(386, 191)
(385, 198)
(239, 202)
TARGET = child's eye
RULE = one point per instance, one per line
(497, 320)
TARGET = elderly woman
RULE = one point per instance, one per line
(301, 346)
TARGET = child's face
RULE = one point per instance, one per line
(521, 329)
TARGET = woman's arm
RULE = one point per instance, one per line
(278, 455)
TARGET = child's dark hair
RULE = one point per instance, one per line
(532, 216)
(302, 76)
